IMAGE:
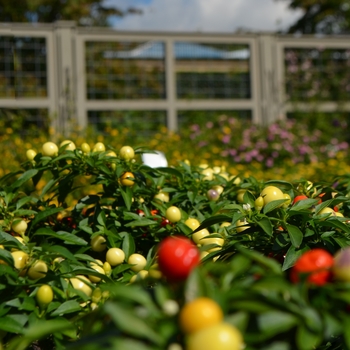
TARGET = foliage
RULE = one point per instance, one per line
(84, 12)
(315, 148)
(244, 268)
(321, 17)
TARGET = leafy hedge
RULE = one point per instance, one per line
(57, 206)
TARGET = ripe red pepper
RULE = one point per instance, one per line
(315, 265)
(177, 257)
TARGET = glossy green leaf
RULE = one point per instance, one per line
(295, 235)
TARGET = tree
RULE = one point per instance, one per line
(84, 12)
(321, 16)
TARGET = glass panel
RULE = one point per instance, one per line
(217, 71)
(317, 74)
(23, 67)
(125, 70)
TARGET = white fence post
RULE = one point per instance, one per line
(270, 104)
(65, 75)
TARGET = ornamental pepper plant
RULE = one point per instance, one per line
(100, 249)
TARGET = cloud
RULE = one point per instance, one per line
(207, 15)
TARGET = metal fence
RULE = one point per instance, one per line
(100, 76)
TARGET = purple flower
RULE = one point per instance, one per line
(269, 163)
(226, 139)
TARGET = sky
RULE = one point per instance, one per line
(212, 16)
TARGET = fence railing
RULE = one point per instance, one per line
(103, 76)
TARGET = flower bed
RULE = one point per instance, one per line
(88, 267)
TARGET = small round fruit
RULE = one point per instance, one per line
(315, 265)
(100, 270)
(78, 283)
(37, 270)
(240, 195)
(177, 257)
(115, 256)
(98, 243)
(126, 153)
(44, 295)
(85, 147)
(162, 196)
(199, 314)
(107, 268)
(69, 145)
(220, 336)
(20, 259)
(154, 272)
(19, 226)
(173, 214)
(300, 197)
(127, 179)
(198, 236)
(208, 174)
(192, 223)
(326, 212)
(259, 203)
(219, 189)
(99, 147)
(271, 193)
(141, 275)
(341, 267)
(288, 199)
(49, 149)
(241, 225)
(207, 241)
(30, 154)
(138, 261)
(213, 195)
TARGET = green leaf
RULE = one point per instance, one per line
(38, 330)
(25, 200)
(44, 214)
(127, 196)
(24, 212)
(8, 324)
(141, 222)
(66, 308)
(295, 235)
(212, 221)
(292, 256)
(61, 251)
(23, 179)
(304, 204)
(65, 236)
(273, 205)
(275, 322)
(128, 245)
(266, 225)
(6, 256)
(283, 185)
(130, 323)
(334, 222)
(307, 339)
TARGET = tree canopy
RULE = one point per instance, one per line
(84, 12)
(322, 16)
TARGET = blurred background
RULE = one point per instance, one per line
(258, 86)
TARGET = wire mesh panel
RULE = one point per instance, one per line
(188, 118)
(23, 67)
(125, 70)
(141, 122)
(317, 74)
(29, 121)
(217, 71)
